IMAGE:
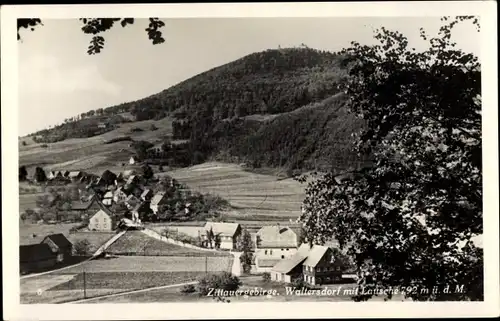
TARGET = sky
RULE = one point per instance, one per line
(58, 79)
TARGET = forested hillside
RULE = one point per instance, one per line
(278, 108)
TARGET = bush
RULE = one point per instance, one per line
(153, 127)
(188, 288)
(44, 145)
(266, 277)
(24, 143)
(118, 139)
(81, 247)
(223, 281)
(136, 129)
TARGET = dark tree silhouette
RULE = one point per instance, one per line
(96, 26)
(410, 220)
(40, 175)
(23, 173)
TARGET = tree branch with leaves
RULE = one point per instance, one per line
(409, 220)
(97, 26)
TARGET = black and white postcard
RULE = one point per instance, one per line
(227, 160)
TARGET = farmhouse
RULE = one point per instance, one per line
(101, 221)
(314, 264)
(59, 245)
(228, 233)
(36, 257)
(157, 201)
(274, 243)
(132, 160)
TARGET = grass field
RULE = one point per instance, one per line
(67, 287)
(251, 282)
(73, 154)
(137, 243)
(251, 195)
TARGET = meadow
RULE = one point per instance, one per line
(252, 196)
(137, 243)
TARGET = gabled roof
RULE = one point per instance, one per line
(141, 207)
(74, 174)
(132, 198)
(315, 254)
(35, 252)
(286, 265)
(267, 262)
(146, 192)
(83, 205)
(225, 229)
(277, 237)
(128, 172)
(59, 239)
(157, 198)
(109, 194)
(103, 211)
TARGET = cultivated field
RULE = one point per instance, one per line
(137, 243)
(118, 274)
(252, 196)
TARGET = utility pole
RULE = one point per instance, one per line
(84, 286)
(206, 264)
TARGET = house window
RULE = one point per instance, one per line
(287, 249)
(271, 252)
(282, 256)
(265, 252)
(332, 259)
(282, 249)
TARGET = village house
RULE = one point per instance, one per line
(101, 221)
(272, 244)
(146, 195)
(131, 201)
(119, 195)
(107, 199)
(314, 264)
(228, 233)
(132, 160)
(36, 257)
(156, 150)
(157, 202)
(132, 180)
(141, 211)
(83, 208)
(59, 245)
(107, 178)
(75, 175)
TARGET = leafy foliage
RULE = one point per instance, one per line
(410, 219)
(96, 26)
(40, 175)
(223, 281)
(82, 247)
(245, 245)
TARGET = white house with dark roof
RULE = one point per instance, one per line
(314, 264)
(107, 199)
(272, 244)
(157, 201)
(228, 233)
(101, 221)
